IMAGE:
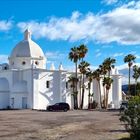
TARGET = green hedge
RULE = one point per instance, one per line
(131, 118)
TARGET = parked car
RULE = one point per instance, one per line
(123, 106)
(58, 106)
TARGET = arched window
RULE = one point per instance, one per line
(36, 62)
(47, 84)
(66, 85)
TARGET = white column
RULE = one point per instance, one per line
(117, 90)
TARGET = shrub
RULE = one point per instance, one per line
(95, 104)
(131, 118)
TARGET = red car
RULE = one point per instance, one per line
(59, 106)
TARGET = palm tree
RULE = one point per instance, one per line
(83, 67)
(129, 59)
(89, 76)
(107, 81)
(104, 70)
(108, 64)
(73, 80)
(97, 76)
(106, 67)
(136, 75)
(74, 56)
(82, 51)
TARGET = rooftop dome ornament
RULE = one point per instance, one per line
(61, 67)
(52, 67)
(27, 34)
(113, 70)
(116, 71)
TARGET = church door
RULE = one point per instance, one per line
(12, 102)
(24, 102)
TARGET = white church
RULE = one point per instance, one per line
(26, 83)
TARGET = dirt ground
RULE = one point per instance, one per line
(71, 125)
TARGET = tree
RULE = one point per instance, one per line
(136, 75)
(82, 51)
(89, 76)
(103, 70)
(97, 76)
(131, 118)
(74, 56)
(107, 81)
(108, 64)
(83, 67)
(73, 81)
(129, 59)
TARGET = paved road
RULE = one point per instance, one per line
(71, 125)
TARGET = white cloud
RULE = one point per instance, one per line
(118, 54)
(3, 58)
(73, 28)
(54, 56)
(137, 56)
(98, 50)
(98, 54)
(106, 46)
(121, 25)
(109, 2)
(5, 25)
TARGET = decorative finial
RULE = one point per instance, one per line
(27, 34)
(60, 66)
(52, 67)
(116, 71)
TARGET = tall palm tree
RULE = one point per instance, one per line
(136, 75)
(74, 56)
(106, 67)
(83, 67)
(104, 71)
(89, 76)
(82, 51)
(73, 80)
(129, 59)
(108, 64)
(97, 76)
(107, 81)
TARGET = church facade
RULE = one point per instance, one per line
(26, 83)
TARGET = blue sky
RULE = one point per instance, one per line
(109, 28)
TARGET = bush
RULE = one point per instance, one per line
(131, 118)
(95, 104)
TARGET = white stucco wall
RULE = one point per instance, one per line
(117, 90)
(5, 93)
(51, 95)
(17, 100)
(4, 100)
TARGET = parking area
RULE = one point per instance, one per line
(71, 125)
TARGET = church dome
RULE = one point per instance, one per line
(27, 48)
(27, 54)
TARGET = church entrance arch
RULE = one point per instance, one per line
(12, 102)
(24, 102)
